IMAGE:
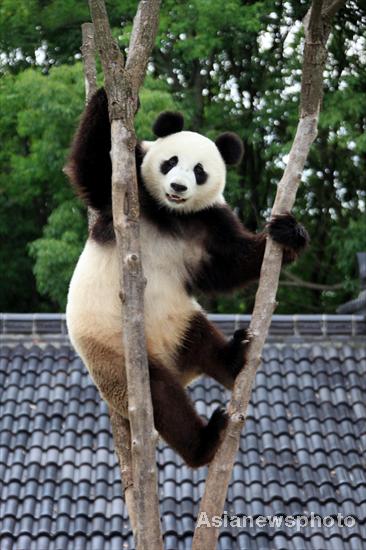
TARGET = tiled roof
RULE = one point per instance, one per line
(51, 327)
(303, 451)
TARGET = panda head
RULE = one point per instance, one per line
(185, 171)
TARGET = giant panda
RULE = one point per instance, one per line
(190, 241)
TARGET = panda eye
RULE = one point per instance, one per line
(168, 165)
(201, 175)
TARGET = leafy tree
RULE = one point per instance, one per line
(38, 118)
(250, 84)
(48, 31)
(57, 251)
(231, 65)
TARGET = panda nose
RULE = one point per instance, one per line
(178, 187)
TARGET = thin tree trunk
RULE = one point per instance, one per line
(90, 78)
(88, 51)
(122, 83)
(120, 426)
(317, 30)
(122, 443)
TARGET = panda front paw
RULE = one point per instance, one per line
(285, 230)
(243, 335)
(235, 351)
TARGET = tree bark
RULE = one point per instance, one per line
(120, 426)
(122, 83)
(316, 34)
(90, 78)
(88, 52)
(122, 443)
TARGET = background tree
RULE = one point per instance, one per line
(232, 65)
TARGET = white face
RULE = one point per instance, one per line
(184, 171)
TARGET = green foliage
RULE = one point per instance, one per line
(57, 252)
(38, 118)
(48, 31)
(154, 98)
(228, 66)
(346, 243)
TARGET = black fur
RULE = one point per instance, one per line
(227, 242)
(168, 123)
(167, 165)
(177, 421)
(211, 435)
(231, 147)
(285, 230)
(89, 166)
(233, 256)
(236, 351)
(200, 174)
(102, 230)
(204, 350)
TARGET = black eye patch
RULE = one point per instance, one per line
(167, 165)
(201, 175)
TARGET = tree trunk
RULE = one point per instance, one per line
(120, 426)
(122, 83)
(317, 31)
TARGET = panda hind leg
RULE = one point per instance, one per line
(206, 347)
(177, 421)
(107, 368)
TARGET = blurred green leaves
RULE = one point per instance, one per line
(227, 66)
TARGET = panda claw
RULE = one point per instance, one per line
(243, 335)
(250, 336)
(240, 335)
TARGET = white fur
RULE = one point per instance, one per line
(94, 314)
(190, 148)
(94, 308)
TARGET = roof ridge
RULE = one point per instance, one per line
(51, 327)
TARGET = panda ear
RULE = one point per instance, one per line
(231, 147)
(168, 123)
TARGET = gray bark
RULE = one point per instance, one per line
(120, 426)
(316, 34)
(88, 52)
(122, 83)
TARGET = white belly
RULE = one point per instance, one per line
(94, 308)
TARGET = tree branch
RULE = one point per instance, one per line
(110, 56)
(314, 27)
(221, 467)
(88, 52)
(332, 8)
(90, 78)
(297, 281)
(120, 426)
(122, 443)
(145, 27)
(122, 85)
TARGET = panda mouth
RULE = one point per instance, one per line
(175, 198)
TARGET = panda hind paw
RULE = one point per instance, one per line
(211, 437)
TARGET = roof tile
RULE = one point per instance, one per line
(302, 449)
